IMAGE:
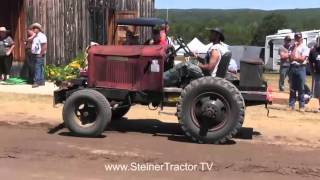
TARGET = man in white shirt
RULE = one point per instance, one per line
(207, 66)
(215, 52)
(298, 62)
(38, 50)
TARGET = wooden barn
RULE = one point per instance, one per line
(69, 24)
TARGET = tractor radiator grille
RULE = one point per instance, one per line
(120, 72)
(116, 73)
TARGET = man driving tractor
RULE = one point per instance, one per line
(202, 67)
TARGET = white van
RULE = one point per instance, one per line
(274, 42)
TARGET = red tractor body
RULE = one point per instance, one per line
(126, 67)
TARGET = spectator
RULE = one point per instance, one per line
(284, 61)
(298, 59)
(38, 50)
(233, 67)
(6, 49)
(314, 59)
(28, 68)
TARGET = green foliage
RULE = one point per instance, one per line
(269, 25)
(65, 73)
(240, 26)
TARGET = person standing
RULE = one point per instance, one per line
(6, 49)
(284, 61)
(28, 67)
(314, 60)
(38, 50)
(298, 61)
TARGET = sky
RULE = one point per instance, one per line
(236, 4)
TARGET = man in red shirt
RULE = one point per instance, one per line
(163, 34)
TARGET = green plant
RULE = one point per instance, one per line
(64, 73)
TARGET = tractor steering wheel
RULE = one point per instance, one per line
(184, 46)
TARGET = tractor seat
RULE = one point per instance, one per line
(223, 65)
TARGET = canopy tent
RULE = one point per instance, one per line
(208, 46)
(197, 46)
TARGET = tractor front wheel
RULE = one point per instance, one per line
(87, 113)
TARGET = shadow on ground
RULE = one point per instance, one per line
(172, 131)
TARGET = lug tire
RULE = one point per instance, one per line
(102, 115)
(224, 89)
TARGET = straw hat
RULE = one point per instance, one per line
(3, 29)
(36, 25)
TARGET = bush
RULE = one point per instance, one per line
(68, 72)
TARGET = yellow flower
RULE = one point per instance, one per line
(52, 73)
(75, 65)
(70, 77)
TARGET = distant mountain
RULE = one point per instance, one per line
(239, 24)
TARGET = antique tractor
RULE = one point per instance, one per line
(209, 109)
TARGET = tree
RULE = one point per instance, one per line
(269, 25)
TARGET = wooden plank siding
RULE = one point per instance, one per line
(144, 8)
(12, 17)
(67, 23)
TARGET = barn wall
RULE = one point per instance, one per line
(65, 22)
(144, 8)
(12, 17)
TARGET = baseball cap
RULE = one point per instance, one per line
(298, 35)
(287, 38)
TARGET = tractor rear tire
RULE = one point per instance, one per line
(118, 113)
(211, 110)
(87, 113)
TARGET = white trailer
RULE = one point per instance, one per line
(274, 42)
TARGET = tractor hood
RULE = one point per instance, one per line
(128, 51)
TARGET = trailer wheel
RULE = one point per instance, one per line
(211, 110)
(87, 113)
(118, 113)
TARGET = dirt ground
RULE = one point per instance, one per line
(285, 145)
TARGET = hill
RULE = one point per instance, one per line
(239, 24)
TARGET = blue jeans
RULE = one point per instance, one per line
(39, 70)
(284, 72)
(297, 81)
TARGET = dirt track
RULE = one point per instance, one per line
(284, 146)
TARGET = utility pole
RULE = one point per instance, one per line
(167, 11)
